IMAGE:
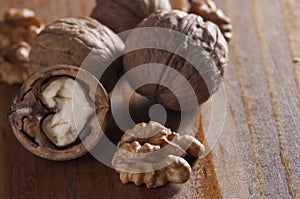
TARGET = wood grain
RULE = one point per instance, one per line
(257, 154)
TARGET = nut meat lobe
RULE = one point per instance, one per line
(65, 95)
(141, 157)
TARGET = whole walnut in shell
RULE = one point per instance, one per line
(196, 49)
(122, 15)
(58, 112)
(71, 40)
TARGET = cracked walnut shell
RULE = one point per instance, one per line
(57, 112)
(122, 15)
(152, 154)
(76, 41)
(196, 49)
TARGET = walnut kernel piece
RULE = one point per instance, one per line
(122, 15)
(71, 40)
(44, 121)
(14, 63)
(22, 25)
(141, 156)
(183, 5)
(62, 94)
(17, 30)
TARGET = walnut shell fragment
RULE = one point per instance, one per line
(58, 112)
(184, 36)
(152, 154)
(72, 40)
(122, 15)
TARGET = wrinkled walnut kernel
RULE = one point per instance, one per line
(62, 94)
(17, 30)
(184, 5)
(20, 25)
(133, 156)
(14, 63)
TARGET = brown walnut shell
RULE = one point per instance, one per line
(28, 112)
(203, 42)
(71, 40)
(122, 15)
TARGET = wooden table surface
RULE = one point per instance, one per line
(258, 153)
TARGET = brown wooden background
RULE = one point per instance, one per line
(258, 154)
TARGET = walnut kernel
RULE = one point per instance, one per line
(153, 137)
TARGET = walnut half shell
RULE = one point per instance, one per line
(56, 113)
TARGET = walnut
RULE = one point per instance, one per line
(17, 30)
(183, 5)
(201, 41)
(14, 63)
(122, 15)
(70, 40)
(135, 163)
(42, 115)
(20, 25)
(209, 11)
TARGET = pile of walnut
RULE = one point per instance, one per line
(152, 154)
(41, 114)
(17, 31)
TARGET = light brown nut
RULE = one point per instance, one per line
(183, 5)
(42, 117)
(19, 16)
(71, 40)
(14, 63)
(160, 154)
(23, 25)
(203, 43)
(177, 171)
(122, 15)
(209, 11)
(17, 30)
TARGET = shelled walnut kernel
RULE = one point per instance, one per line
(17, 30)
(150, 144)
